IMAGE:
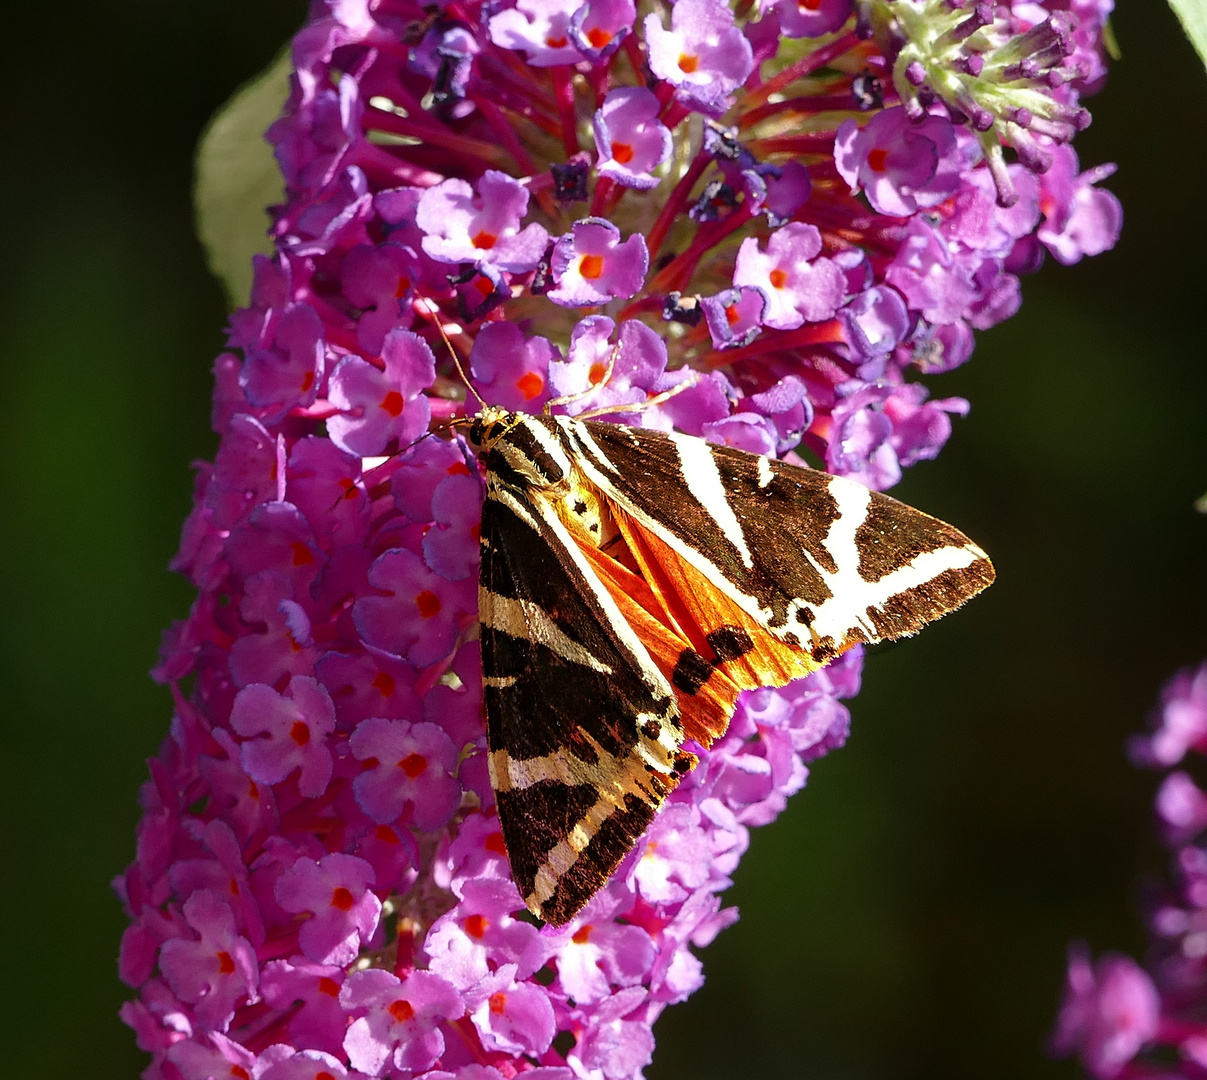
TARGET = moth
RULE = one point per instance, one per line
(633, 584)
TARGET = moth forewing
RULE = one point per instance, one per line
(582, 727)
(813, 557)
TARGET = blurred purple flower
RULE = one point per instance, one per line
(1122, 1020)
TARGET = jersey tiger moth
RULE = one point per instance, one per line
(632, 584)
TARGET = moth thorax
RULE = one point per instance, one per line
(520, 450)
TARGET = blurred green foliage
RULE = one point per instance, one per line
(908, 915)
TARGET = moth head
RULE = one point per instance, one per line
(489, 426)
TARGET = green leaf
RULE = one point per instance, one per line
(236, 179)
(1193, 16)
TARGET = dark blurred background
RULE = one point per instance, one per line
(908, 916)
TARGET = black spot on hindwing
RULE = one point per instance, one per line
(729, 643)
(691, 672)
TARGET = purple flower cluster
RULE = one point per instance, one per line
(1130, 1022)
(784, 212)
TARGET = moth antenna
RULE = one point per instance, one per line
(432, 311)
(641, 406)
(593, 388)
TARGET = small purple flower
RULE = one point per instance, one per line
(343, 911)
(513, 1017)
(311, 992)
(811, 18)
(285, 732)
(672, 861)
(378, 407)
(1079, 218)
(450, 546)
(744, 431)
(1181, 808)
(799, 287)
(212, 1057)
(509, 369)
(286, 648)
(876, 321)
(622, 373)
(735, 316)
(281, 1063)
(420, 613)
(1109, 1013)
(879, 428)
(483, 229)
(936, 276)
(539, 28)
(595, 956)
(630, 139)
(380, 280)
(373, 684)
(600, 26)
(620, 1043)
(786, 404)
(216, 970)
(703, 55)
(405, 766)
(397, 1021)
(592, 265)
(900, 165)
(287, 368)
